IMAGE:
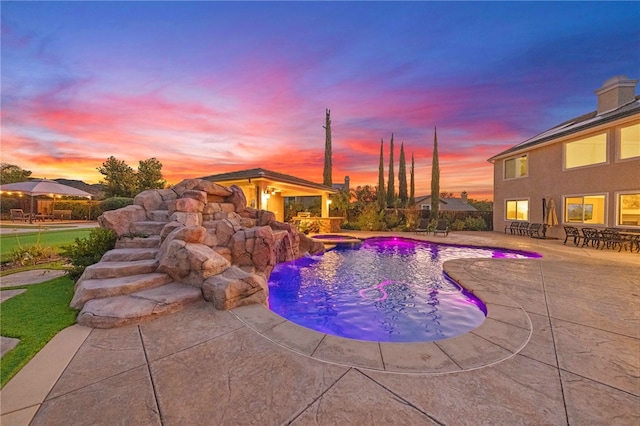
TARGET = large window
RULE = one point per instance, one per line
(587, 209)
(586, 152)
(518, 210)
(515, 167)
(628, 207)
(630, 142)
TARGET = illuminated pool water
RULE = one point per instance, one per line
(386, 290)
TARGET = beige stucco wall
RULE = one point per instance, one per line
(547, 179)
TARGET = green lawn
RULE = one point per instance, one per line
(34, 317)
(56, 239)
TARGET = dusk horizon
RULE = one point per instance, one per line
(216, 87)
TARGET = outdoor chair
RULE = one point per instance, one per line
(534, 230)
(442, 227)
(573, 232)
(423, 227)
(591, 237)
(610, 238)
(512, 228)
(19, 214)
(523, 228)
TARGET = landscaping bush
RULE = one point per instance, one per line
(115, 203)
(80, 209)
(87, 251)
(32, 254)
(458, 225)
(475, 224)
(371, 219)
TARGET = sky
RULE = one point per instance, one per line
(213, 87)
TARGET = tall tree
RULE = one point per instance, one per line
(10, 173)
(119, 179)
(435, 177)
(382, 195)
(150, 175)
(326, 174)
(402, 179)
(391, 190)
(412, 188)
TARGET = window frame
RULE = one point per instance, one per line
(515, 157)
(506, 210)
(618, 133)
(582, 222)
(607, 160)
(618, 208)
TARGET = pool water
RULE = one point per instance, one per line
(386, 290)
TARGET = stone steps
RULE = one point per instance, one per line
(138, 242)
(87, 289)
(104, 270)
(148, 227)
(159, 216)
(138, 307)
(126, 254)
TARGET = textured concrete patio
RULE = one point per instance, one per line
(561, 345)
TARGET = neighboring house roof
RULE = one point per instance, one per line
(450, 204)
(266, 174)
(574, 125)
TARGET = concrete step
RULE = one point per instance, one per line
(159, 216)
(104, 270)
(148, 227)
(138, 242)
(138, 307)
(126, 254)
(109, 287)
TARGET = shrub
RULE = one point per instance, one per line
(32, 255)
(115, 203)
(371, 219)
(458, 225)
(475, 224)
(80, 209)
(87, 251)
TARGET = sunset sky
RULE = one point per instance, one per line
(213, 87)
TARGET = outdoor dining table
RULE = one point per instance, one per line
(633, 237)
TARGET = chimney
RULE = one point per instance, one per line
(616, 92)
(464, 197)
(346, 183)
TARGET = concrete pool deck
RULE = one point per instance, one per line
(561, 345)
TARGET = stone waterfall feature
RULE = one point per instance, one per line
(176, 246)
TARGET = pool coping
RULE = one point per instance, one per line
(506, 331)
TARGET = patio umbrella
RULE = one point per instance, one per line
(42, 187)
(550, 217)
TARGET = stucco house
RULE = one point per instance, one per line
(445, 204)
(589, 166)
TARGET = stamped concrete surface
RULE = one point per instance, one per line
(561, 345)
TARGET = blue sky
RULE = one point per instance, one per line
(212, 87)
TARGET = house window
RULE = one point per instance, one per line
(518, 210)
(515, 167)
(630, 141)
(628, 207)
(587, 209)
(586, 152)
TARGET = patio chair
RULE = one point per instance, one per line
(573, 232)
(423, 227)
(512, 228)
(442, 227)
(610, 238)
(18, 214)
(534, 230)
(591, 237)
(523, 228)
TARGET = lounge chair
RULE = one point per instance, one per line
(523, 228)
(534, 230)
(423, 227)
(442, 227)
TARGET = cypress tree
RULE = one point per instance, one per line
(435, 177)
(382, 195)
(412, 188)
(391, 193)
(327, 172)
(402, 178)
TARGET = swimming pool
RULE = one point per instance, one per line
(386, 290)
